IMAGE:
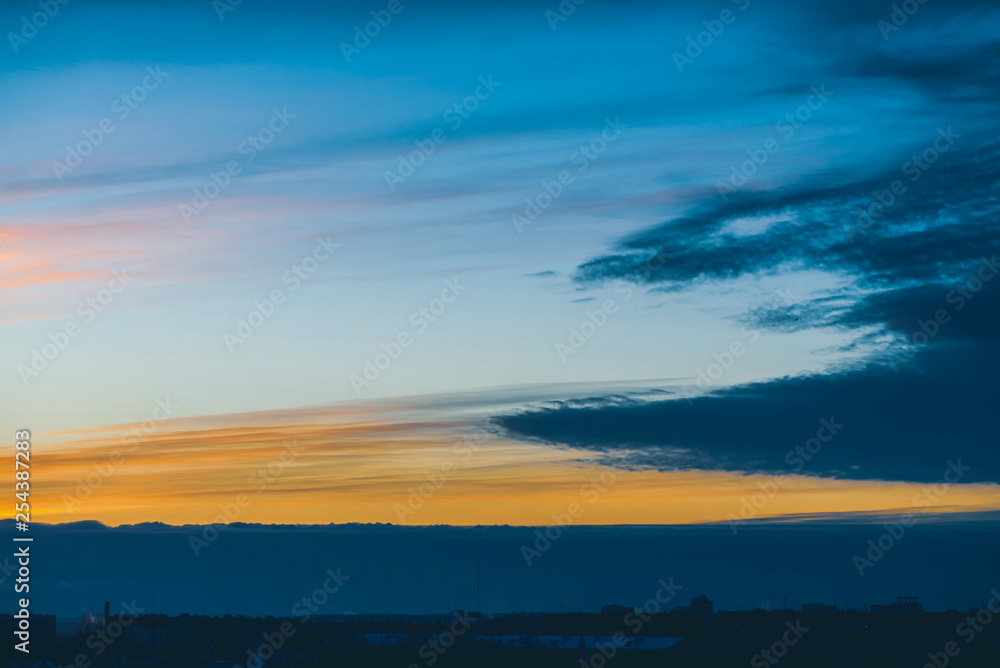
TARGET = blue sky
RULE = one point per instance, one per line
(738, 269)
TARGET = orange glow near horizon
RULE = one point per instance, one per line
(358, 466)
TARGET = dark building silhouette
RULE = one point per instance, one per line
(902, 604)
(699, 604)
(896, 634)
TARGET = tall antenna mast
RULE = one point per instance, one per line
(477, 586)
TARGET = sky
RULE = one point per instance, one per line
(490, 261)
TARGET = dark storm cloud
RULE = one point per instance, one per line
(904, 425)
(938, 226)
(919, 265)
(907, 413)
(972, 71)
(910, 410)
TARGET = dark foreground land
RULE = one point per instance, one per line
(620, 637)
